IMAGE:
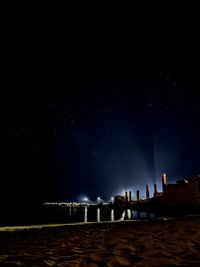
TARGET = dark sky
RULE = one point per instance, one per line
(97, 100)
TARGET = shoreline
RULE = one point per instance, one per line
(42, 226)
(12, 228)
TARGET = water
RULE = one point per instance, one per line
(92, 214)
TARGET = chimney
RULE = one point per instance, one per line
(155, 191)
(164, 181)
(147, 192)
(126, 196)
(138, 195)
(130, 196)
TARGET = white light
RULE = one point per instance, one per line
(98, 198)
(112, 198)
(85, 199)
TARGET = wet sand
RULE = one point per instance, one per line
(140, 243)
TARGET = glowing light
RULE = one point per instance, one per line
(85, 215)
(129, 214)
(112, 215)
(123, 216)
(98, 215)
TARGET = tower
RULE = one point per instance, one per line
(126, 196)
(138, 195)
(164, 181)
(147, 192)
(130, 196)
(155, 194)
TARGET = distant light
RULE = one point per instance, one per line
(112, 198)
(85, 199)
(98, 199)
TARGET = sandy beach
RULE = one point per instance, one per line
(139, 243)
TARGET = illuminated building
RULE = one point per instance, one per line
(183, 192)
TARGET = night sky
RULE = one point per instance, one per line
(97, 100)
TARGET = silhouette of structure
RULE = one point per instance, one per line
(184, 193)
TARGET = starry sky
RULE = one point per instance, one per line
(98, 100)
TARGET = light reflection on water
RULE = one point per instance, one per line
(114, 215)
(86, 215)
(92, 214)
(129, 215)
(98, 215)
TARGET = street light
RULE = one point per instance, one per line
(85, 199)
(98, 199)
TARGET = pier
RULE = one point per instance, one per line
(100, 212)
(76, 204)
(180, 198)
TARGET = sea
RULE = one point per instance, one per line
(93, 214)
(64, 215)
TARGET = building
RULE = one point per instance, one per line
(183, 192)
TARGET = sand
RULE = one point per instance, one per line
(140, 243)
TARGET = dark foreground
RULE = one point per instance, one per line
(141, 243)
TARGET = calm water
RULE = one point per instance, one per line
(57, 215)
(92, 214)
